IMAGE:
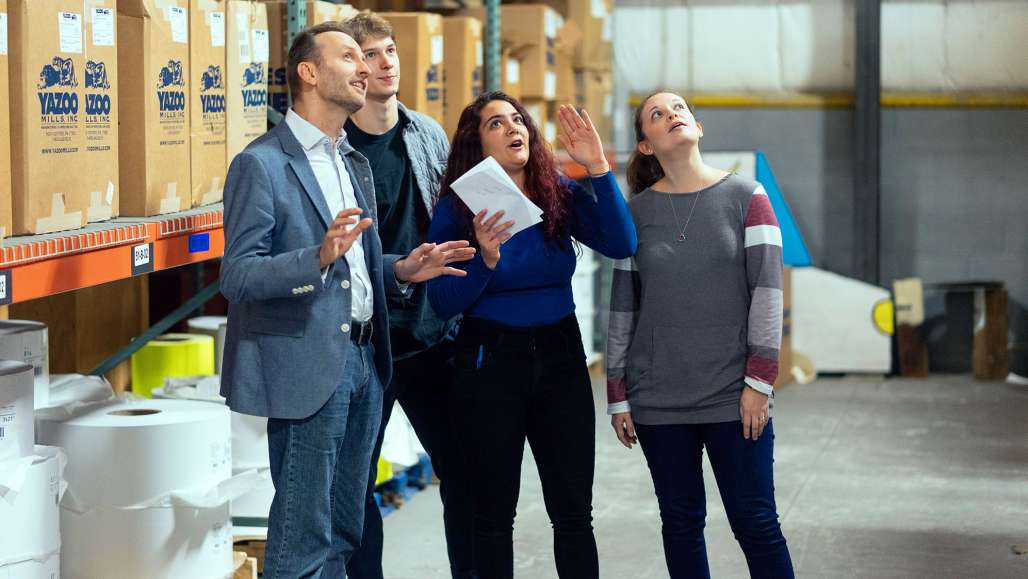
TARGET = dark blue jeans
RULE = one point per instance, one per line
(421, 384)
(743, 469)
(319, 466)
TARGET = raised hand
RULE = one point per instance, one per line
(338, 239)
(430, 260)
(490, 234)
(581, 141)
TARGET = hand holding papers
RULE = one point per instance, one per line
(487, 186)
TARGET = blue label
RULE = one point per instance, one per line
(171, 100)
(199, 242)
(171, 75)
(212, 103)
(211, 79)
(98, 104)
(61, 72)
(58, 103)
(254, 74)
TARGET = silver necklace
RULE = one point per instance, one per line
(681, 234)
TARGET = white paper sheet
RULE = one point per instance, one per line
(487, 186)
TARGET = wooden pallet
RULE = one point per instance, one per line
(252, 548)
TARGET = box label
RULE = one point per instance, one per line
(437, 50)
(3, 33)
(513, 71)
(69, 29)
(5, 287)
(478, 53)
(179, 24)
(261, 45)
(217, 23)
(103, 27)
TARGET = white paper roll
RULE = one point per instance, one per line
(213, 326)
(26, 341)
(48, 568)
(257, 502)
(29, 518)
(249, 433)
(134, 452)
(155, 543)
(17, 432)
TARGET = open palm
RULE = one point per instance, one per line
(580, 139)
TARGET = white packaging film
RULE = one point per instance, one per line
(215, 327)
(17, 431)
(49, 568)
(30, 490)
(26, 341)
(158, 471)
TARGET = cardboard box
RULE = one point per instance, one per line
(248, 45)
(154, 89)
(100, 118)
(6, 223)
(419, 41)
(785, 350)
(544, 113)
(207, 83)
(593, 49)
(596, 95)
(47, 60)
(530, 31)
(464, 67)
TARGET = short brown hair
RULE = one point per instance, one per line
(305, 49)
(367, 25)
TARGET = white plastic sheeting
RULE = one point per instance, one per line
(767, 46)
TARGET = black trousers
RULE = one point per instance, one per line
(514, 384)
(421, 385)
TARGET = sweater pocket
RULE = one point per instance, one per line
(694, 366)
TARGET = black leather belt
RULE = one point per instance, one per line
(361, 333)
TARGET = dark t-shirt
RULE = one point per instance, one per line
(402, 225)
(402, 218)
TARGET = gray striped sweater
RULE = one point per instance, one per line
(694, 322)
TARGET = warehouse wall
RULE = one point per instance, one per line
(953, 189)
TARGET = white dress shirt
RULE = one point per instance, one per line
(334, 181)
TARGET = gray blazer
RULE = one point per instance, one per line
(287, 340)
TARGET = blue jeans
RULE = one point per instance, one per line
(743, 469)
(319, 466)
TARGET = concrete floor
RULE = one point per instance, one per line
(874, 478)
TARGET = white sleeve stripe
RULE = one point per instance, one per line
(618, 407)
(759, 386)
(763, 235)
(627, 264)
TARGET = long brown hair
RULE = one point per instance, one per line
(542, 182)
(644, 170)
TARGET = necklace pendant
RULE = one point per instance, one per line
(681, 237)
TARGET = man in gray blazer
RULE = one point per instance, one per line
(308, 329)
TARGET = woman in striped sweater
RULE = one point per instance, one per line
(692, 351)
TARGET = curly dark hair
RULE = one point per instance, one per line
(543, 184)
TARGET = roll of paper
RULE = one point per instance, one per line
(26, 341)
(43, 568)
(29, 519)
(171, 355)
(17, 433)
(249, 433)
(213, 326)
(135, 453)
(155, 543)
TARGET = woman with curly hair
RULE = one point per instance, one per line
(520, 364)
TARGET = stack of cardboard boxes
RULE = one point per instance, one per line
(529, 34)
(463, 76)
(127, 107)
